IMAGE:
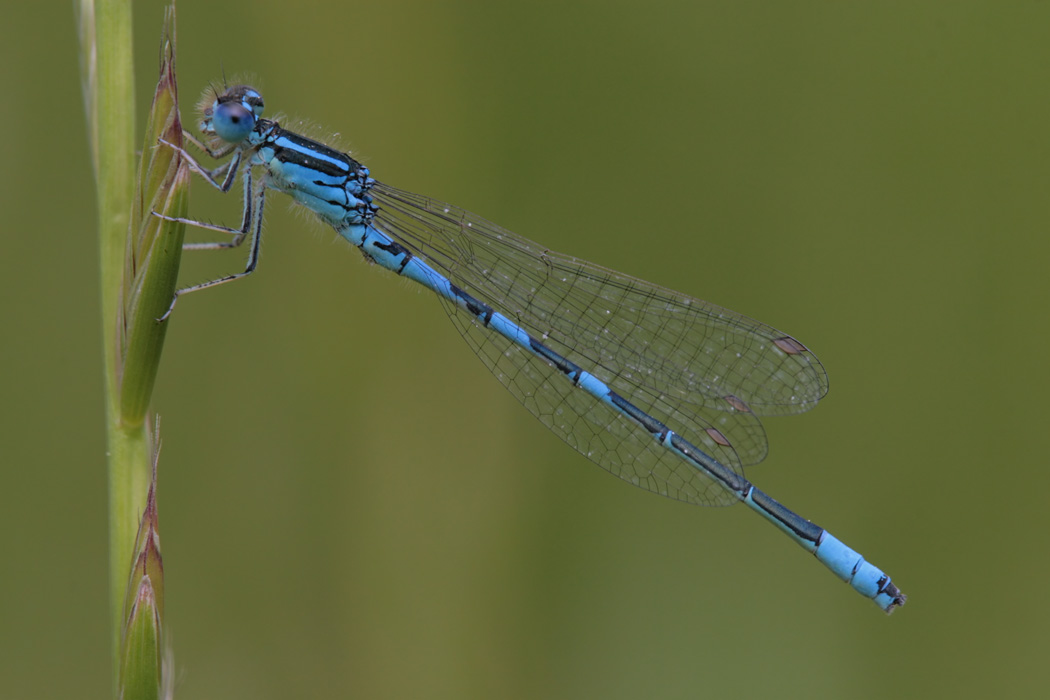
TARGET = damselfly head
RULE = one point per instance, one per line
(231, 115)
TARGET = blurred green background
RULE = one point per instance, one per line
(351, 507)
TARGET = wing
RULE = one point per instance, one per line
(701, 369)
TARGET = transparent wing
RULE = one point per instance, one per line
(598, 432)
(705, 371)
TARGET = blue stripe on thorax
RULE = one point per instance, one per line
(331, 184)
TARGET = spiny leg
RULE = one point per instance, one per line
(253, 216)
(238, 234)
(227, 171)
(226, 150)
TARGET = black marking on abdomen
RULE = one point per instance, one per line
(395, 249)
(563, 365)
(799, 525)
(728, 478)
(479, 308)
(655, 427)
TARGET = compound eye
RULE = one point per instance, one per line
(233, 121)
